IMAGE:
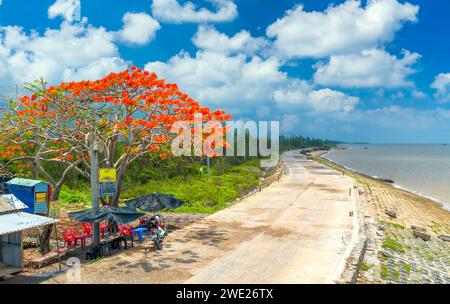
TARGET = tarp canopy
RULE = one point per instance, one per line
(105, 213)
(19, 221)
(154, 202)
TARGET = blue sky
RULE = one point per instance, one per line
(350, 70)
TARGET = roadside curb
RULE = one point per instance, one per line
(274, 174)
(350, 273)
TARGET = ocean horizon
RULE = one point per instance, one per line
(423, 169)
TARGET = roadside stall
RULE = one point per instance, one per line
(34, 193)
(13, 221)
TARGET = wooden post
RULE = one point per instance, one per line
(93, 155)
(57, 247)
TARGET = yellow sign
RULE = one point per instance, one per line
(41, 197)
(107, 176)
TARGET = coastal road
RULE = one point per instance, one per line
(297, 230)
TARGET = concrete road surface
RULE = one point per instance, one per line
(298, 230)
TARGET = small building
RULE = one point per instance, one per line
(33, 193)
(13, 221)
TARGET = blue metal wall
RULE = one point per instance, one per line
(25, 194)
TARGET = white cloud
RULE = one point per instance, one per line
(95, 70)
(73, 52)
(340, 29)
(248, 85)
(300, 94)
(174, 12)
(234, 82)
(208, 38)
(418, 94)
(139, 28)
(403, 118)
(368, 69)
(67, 9)
(442, 86)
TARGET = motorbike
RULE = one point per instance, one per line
(156, 227)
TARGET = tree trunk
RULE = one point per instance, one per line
(44, 239)
(56, 191)
(120, 179)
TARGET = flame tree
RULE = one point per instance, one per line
(128, 114)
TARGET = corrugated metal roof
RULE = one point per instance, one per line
(8, 203)
(24, 182)
(19, 221)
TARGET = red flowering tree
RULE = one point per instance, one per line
(128, 115)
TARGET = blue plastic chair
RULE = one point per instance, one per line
(140, 233)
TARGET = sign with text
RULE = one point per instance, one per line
(108, 189)
(107, 175)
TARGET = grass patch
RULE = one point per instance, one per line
(407, 268)
(392, 244)
(364, 266)
(396, 225)
(81, 196)
(384, 271)
(202, 195)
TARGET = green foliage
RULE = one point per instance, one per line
(202, 195)
(364, 266)
(299, 142)
(396, 225)
(80, 196)
(390, 243)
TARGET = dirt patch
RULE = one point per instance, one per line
(278, 232)
(333, 190)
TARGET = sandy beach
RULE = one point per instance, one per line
(394, 255)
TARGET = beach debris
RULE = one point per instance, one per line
(350, 213)
(445, 238)
(422, 235)
(385, 254)
(391, 212)
(420, 229)
(387, 180)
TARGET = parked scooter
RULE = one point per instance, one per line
(156, 228)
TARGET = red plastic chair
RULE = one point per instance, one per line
(79, 237)
(87, 229)
(125, 230)
(69, 239)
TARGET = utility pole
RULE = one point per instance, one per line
(93, 155)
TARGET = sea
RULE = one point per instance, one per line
(423, 169)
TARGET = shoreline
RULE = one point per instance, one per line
(441, 204)
(393, 252)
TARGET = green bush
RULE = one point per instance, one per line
(202, 195)
(80, 196)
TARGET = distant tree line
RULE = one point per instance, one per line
(293, 142)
